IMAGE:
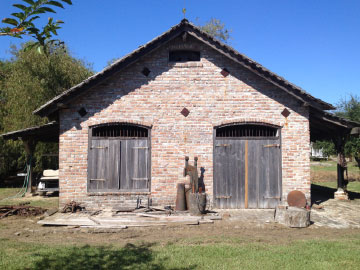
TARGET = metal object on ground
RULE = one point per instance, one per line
(193, 173)
(296, 198)
(180, 204)
(72, 207)
(20, 210)
(187, 193)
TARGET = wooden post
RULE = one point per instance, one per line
(30, 145)
(341, 193)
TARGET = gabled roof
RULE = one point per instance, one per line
(184, 26)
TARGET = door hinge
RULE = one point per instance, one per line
(223, 145)
(222, 197)
(274, 197)
(98, 147)
(271, 145)
(139, 147)
(140, 179)
(100, 179)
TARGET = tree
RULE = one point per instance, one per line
(350, 109)
(27, 81)
(216, 28)
(22, 23)
(32, 79)
(327, 147)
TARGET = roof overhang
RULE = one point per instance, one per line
(327, 126)
(45, 133)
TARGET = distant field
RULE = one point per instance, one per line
(331, 165)
(352, 186)
(326, 171)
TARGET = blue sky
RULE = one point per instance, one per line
(313, 44)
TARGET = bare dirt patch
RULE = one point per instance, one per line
(27, 230)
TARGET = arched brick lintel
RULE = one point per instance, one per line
(100, 122)
(248, 121)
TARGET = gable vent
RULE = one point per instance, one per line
(145, 71)
(184, 56)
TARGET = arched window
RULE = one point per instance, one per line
(120, 130)
(247, 130)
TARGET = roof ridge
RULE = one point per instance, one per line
(184, 23)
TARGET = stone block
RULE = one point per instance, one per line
(340, 194)
(292, 217)
(297, 217)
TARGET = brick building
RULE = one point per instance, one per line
(124, 132)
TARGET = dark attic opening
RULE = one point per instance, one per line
(184, 56)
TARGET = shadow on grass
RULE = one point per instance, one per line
(87, 257)
(321, 194)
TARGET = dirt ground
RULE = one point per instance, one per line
(27, 230)
(331, 176)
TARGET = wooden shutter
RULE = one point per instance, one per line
(270, 171)
(134, 165)
(98, 165)
(229, 173)
(114, 164)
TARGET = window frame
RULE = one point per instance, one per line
(119, 190)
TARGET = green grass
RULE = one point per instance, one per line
(352, 186)
(310, 254)
(331, 166)
(5, 193)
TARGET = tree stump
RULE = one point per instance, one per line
(293, 217)
(297, 217)
(197, 203)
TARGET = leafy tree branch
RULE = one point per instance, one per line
(22, 23)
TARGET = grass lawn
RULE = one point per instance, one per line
(234, 254)
(325, 173)
(45, 202)
(352, 186)
(331, 166)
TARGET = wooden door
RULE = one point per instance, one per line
(264, 175)
(119, 158)
(229, 175)
(98, 165)
(247, 173)
(134, 165)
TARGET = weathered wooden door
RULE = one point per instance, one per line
(119, 158)
(98, 165)
(247, 170)
(134, 165)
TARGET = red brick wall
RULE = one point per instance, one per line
(157, 101)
